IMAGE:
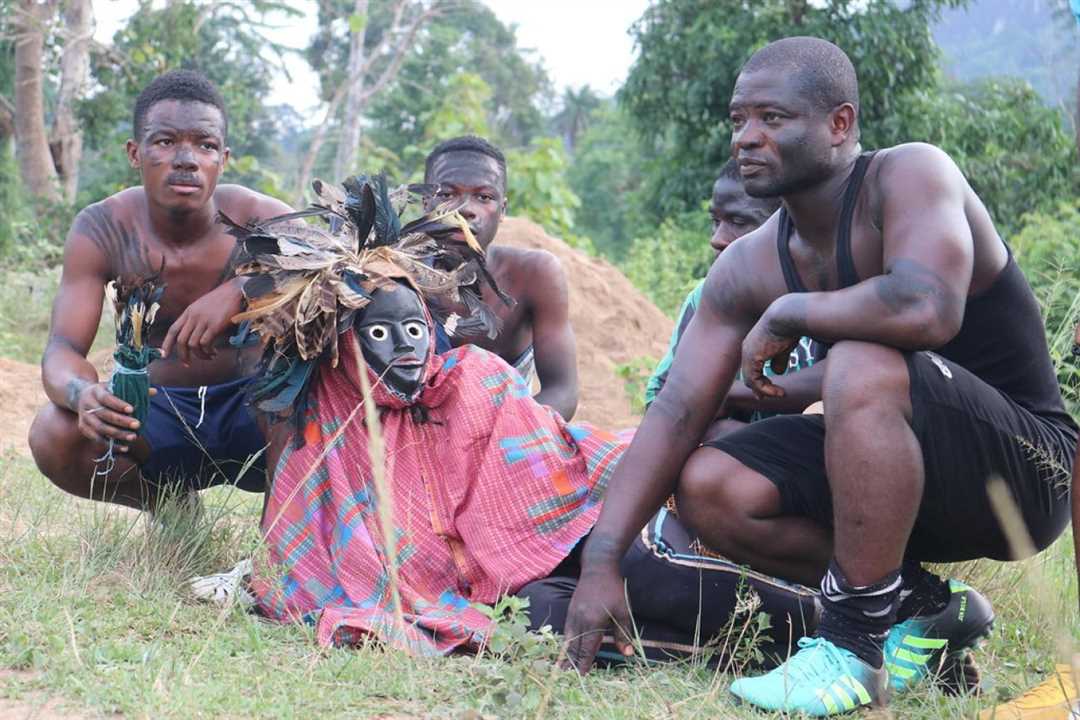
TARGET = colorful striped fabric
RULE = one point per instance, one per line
(490, 493)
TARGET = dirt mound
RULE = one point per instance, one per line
(613, 321)
(21, 395)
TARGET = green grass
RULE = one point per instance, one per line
(94, 609)
(95, 612)
(26, 298)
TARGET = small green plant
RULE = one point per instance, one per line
(666, 263)
(523, 662)
(635, 376)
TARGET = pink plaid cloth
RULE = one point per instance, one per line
(490, 493)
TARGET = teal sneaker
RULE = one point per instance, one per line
(939, 645)
(819, 680)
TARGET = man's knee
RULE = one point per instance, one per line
(62, 453)
(861, 375)
(718, 499)
(52, 435)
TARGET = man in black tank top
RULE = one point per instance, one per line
(938, 380)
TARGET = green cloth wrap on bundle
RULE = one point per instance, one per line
(130, 380)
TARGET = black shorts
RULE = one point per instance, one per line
(969, 432)
(204, 436)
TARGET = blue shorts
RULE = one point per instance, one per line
(204, 436)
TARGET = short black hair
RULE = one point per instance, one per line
(188, 85)
(825, 73)
(466, 143)
(730, 171)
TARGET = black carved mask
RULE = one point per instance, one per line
(394, 334)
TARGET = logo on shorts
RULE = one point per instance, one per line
(940, 364)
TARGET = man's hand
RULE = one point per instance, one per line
(203, 322)
(103, 416)
(597, 604)
(765, 344)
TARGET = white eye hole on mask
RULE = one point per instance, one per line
(415, 330)
(378, 333)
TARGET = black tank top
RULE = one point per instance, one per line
(1001, 339)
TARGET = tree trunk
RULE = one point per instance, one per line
(7, 121)
(354, 101)
(32, 144)
(67, 138)
(307, 167)
(361, 88)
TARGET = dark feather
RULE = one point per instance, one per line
(360, 205)
(276, 390)
(259, 285)
(480, 320)
(387, 222)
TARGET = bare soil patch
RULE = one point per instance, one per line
(613, 322)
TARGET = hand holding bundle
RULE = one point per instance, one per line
(136, 306)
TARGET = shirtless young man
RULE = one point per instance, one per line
(199, 431)
(536, 333)
(938, 379)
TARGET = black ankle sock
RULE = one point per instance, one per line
(858, 618)
(922, 592)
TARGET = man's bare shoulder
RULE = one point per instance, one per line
(118, 207)
(243, 204)
(747, 276)
(103, 239)
(914, 162)
(526, 265)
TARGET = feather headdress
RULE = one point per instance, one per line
(305, 283)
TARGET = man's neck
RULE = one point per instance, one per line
(180, 228)
(815, 212)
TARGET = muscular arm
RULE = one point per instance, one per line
(703, 371)
(65, 371)
(205, 323)
(918, 301)
(554, 349)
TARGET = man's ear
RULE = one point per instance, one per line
(132, 149)
(225, 155)
(502, 210)
(842, 123)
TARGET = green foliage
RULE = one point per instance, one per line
(678, 89)
(461, 111)
(1048, 249)
(635, 377)
(1015, 151)
(606, 174)
(515, 684)
(538, 190)
(464, 38)
(578, 109)
(666, 264)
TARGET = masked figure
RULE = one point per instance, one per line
(395, 340)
